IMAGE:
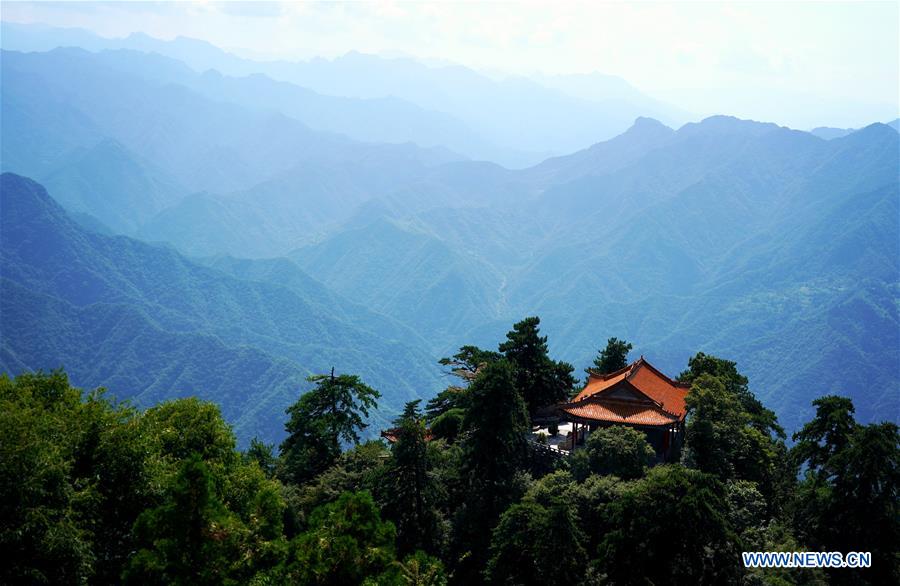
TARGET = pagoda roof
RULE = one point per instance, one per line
(627, 412)
(638, 393)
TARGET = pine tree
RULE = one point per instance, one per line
(331, 413)
(612, 358)
(495, 449)
(412, 492)
(848, 500)
(541, 380)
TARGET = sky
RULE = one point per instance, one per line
(795, 63)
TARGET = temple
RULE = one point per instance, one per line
(639, 396)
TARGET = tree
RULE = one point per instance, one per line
(448, 424)
(612, 358)
(731, 435)
(540, 380)
(418, 569)
(828, 434)
(538, 540)
(412, 492)
(620, 451)
(735, 383)
(715, 418)
(361, 468)
(671, 527)
(848, 499)
(41, 534)
(182, 428)
(593, 497)
(189, 539)
(264, 456)
(331, 413)
(346, 543)
(496, 425)
(495, 448)
(464, 365)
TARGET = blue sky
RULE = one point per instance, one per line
(796, 63)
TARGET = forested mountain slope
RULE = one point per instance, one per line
(149, 324)
(738, 238)
(768, 245)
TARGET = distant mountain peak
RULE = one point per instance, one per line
(644, 124)
(22, 198)
(719, 124)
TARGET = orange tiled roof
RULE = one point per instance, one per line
(600, 382)
(391, 435)
(646, 379)
(660, 388)
(620, 412)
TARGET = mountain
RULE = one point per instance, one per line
(149, 324)
(141, 145)
(607, 156)
(112, 184)
(759, 243)
(402, 99)
(404, 271)
(828, 133)
(558, 122)
(729, 236)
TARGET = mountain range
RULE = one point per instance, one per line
(373, 98)
(208, 238)
(150, 325)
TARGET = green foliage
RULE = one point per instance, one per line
(82, 471)
(448, 424)
(466, 363)
(361, 468)
(778, 537)
(191, 538)
(98, 492)
(612, 358)
(737, 385)
(450, 399)
(347, 542)
(715, 422)
(412, 491)
(538, 540)
(826, 435)
(593, 498)
(331, 413)
(848, 499)
(263, 454)
(541, 380)
(620, 451)
(495, 449)
(41, 530)
(185, 427)
(671, 527)
(418, 569)
(746, 512)
(495, 426)
(723, 438)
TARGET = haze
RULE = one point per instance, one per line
(797, 64)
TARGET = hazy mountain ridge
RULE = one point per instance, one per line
(564, 115)
(718, 235)
(89, 280)
(692, 233)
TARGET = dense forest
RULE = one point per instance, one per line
(95, 491)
